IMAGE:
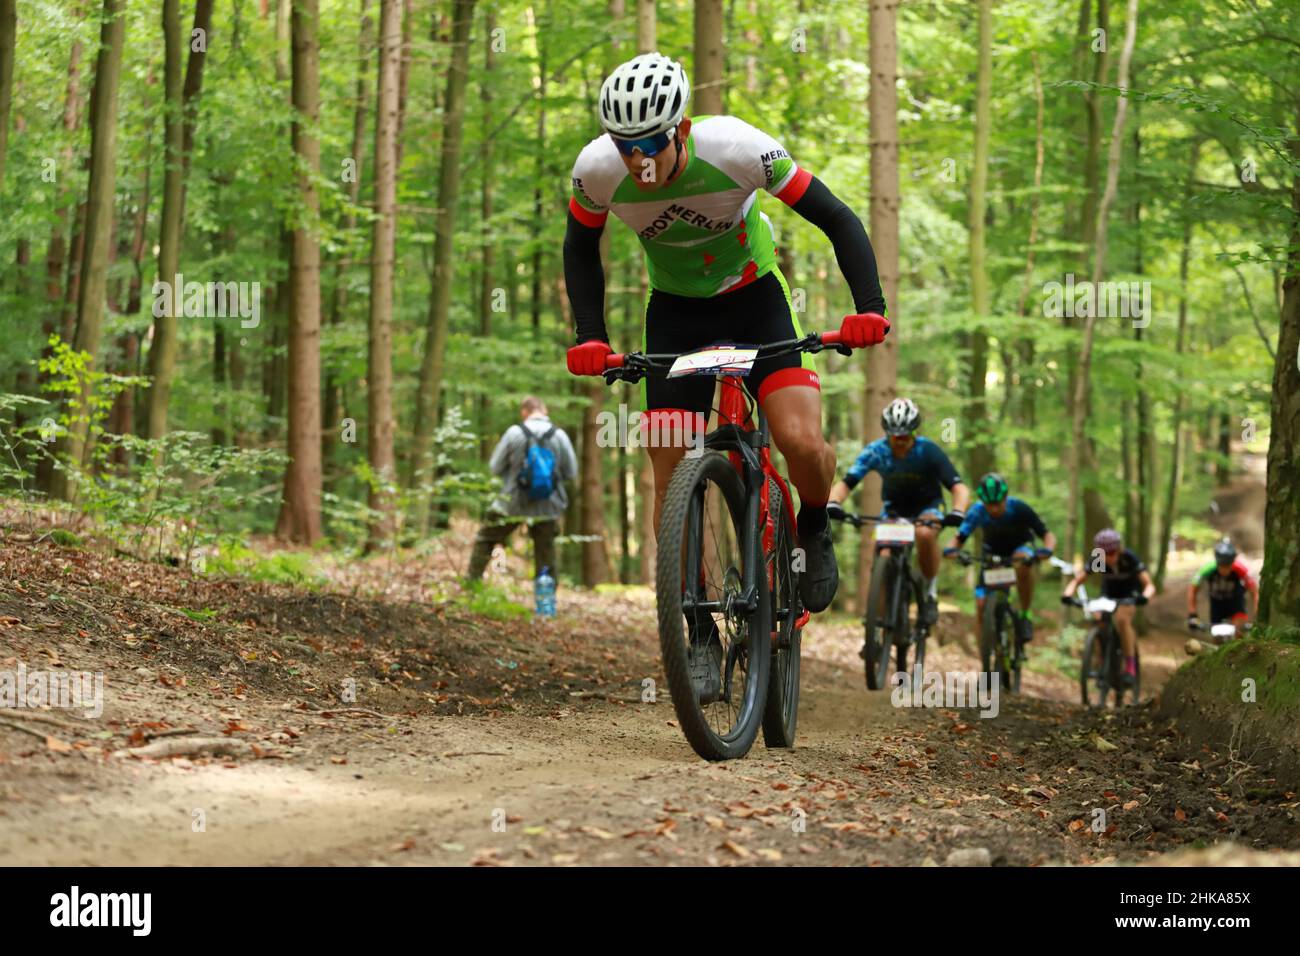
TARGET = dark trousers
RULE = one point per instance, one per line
(490, 535)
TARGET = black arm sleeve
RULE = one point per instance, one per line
(1035, 522)
(584, 278)
(853, 249)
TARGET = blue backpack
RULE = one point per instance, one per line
(537, 477)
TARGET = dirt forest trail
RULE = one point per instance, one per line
(527, 742)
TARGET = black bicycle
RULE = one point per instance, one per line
(727, 587)
(1001, 646)
(894, 619)
(1101, 671)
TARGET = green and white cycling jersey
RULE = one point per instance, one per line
(703, 233)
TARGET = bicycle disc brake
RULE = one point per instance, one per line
(735, 619)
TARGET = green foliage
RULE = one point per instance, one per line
(180, 491)
(284, 567)
(65, 538)
(491, 601)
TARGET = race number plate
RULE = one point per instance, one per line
(895, 533)
(999, 575)
(1101, 606)
(1223, 630)
(715, 360)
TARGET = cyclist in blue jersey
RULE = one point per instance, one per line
(1009, 525)
(914, 471)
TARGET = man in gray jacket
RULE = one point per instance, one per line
(515, 504)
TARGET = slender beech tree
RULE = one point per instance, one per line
(300, 518)
(882, 360)
(646, 42)
(99, 229)
(1080, 457)
(432, 364)
(1279, 586)
(180, 94)
(981, 452)
(379, 374)
(8, 45)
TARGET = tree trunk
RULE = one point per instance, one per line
(431, 368)
(539, 146)
(1027, 448)
(332, 414)
(1180, 400)
(162, 354)
(58, 253)
(1086, 230)
(485, 219)
(1080, 450)
(99, 222)
(882, 360)
(122, 417)
(1223, 461)
(300, 519)
(8, 46)
(708, 78)
(981, 455)
(1279, 592)
(379, 374)
(180, 102)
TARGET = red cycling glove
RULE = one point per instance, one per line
(589, 357)
(863, 331)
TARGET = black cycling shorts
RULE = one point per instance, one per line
(757, 313)
(1119, 590)
(1225, 610)
(912, 510)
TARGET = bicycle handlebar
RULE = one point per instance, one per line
(1074, 601)
(859, 520)
(966, 559)
(632, 366)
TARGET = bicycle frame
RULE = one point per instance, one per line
(748, 446)
(901, 556)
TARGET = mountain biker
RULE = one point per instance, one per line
(689, 189)
(1009, 525)
(1226, 581)
(914, 471)
(1123, 576)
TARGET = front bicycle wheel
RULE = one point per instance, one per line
(909, 634)
(716, 651)
(1134, 693)
(993, 638)
(782, 711)
(881, 621)
(1094, 678)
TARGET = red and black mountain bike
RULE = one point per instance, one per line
(727, 573)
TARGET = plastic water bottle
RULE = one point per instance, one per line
(544, 593)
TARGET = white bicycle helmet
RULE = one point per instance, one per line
(900, 417)
(644, 96)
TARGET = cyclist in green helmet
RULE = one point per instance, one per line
(1009, 526)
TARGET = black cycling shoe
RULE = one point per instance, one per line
(821, 575)
(1024, 629)
(704, 657)
(930, 611)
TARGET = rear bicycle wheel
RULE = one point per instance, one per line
(782, 711)
(880, 622)
(701, 553)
